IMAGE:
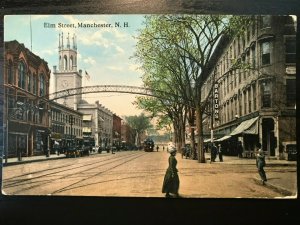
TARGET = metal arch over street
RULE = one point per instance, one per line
(107, 88)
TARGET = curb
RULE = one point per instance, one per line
(30, 161)
(278, 189)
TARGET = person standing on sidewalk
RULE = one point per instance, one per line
(240, 149)
(220, 151)
(261, 163)
(214, 152)
(171, 179)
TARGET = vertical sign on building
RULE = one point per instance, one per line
(216, 101)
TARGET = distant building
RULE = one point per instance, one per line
(127, 134)
(256, 102)
(26, 79)
(116, 131)
(97, 123)
(66, 125)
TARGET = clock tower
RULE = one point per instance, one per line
(66, 75)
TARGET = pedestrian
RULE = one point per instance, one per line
(214, 152)
(240, 150)
(157, 147)
(220, 151)
(163, 148)
(171, 179)
(261, 163)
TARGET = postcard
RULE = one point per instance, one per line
(159, 106)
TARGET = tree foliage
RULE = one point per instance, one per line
(175, 52)
(140, 124)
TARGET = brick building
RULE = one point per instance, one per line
(26, 79)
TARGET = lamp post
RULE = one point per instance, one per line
(71, 121)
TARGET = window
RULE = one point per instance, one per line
(265, 22)
(34, 84)
(245, 102)
(29, 79)
(248, 34)
(21, 75)
(265, 53)
(65, 63)
(266, 94)
(254, 96)
(10, 74)
(290, 92)
(253, 54)
(71, 62)
(290, 50)
(42, 85)
(249, 100)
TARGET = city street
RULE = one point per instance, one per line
(140, 174)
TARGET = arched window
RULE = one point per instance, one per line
(10, 74)
(65, 63)
(42, 84)
(34, 84)
(21, 75)
(71, 62)
(29, 79)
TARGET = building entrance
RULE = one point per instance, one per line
(268, 137)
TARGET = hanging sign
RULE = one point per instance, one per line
(216, 101)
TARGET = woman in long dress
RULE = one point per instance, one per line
(171, 179)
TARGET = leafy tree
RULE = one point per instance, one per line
(139, 124)
(175, 53)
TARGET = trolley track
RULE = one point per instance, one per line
(36, 182)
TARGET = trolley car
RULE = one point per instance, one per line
(148, 145)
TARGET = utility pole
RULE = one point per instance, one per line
(71, 123)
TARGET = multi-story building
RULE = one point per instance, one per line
(127, 135)
(254, 86)
(97, 123)
(66, 125)
(116, 131)
(26, 80)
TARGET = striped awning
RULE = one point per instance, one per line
(223, 138)
(247, 127)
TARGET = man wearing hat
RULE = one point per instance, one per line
(260, 164)
(171, 179)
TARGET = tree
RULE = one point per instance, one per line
(175, 51)
(139, 124)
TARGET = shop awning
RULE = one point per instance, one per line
(86, 130)
(87, 118)
(247, 127)
(223, 138)
(208, 140)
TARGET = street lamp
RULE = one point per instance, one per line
(71, 122)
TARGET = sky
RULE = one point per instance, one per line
(103, 52)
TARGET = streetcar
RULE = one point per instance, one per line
(148, 145)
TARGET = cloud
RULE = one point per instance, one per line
(114, 68)
(89, 60)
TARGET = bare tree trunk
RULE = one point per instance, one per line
(200, 150)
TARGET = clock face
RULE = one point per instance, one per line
(65, 83)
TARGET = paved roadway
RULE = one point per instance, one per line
(140, 174)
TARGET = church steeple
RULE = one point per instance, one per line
(68, 55)
(66, 75)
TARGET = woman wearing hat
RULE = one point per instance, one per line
(260, 164)
(171, 179)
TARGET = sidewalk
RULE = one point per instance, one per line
(283, 181)
(29, 159)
